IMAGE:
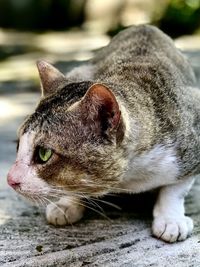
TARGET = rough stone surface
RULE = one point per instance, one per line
(122, 239)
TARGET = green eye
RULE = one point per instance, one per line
(44, 154)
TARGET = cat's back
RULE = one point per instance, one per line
(140, 45)
(138, 40)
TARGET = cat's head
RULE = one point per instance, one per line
(73, 141)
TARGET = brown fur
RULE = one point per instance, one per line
(128, 121)
(151, 80)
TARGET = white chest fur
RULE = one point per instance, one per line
(150, 170)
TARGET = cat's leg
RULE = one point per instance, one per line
(65, 211)
(170, 223)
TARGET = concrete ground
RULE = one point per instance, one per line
(122, 238)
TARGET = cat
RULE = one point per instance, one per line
(126, 121)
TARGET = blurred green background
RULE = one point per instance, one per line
(176, 17)
(63, 31)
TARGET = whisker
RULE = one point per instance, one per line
(42, 201)
(54, 204)
(83, 197)
(92, 201)
(109, 203)
(91, 184)
(83, 203)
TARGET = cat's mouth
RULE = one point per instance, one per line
(25, 181)
(40, 197)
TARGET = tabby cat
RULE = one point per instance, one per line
(127, 121)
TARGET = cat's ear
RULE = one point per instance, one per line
(50, 77)
(102, 106)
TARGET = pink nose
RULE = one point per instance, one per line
(12, 182)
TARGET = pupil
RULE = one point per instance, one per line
(45, 154)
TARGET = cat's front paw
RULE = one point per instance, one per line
(60, 214)
(172, 229)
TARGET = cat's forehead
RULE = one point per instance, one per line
(54, 129)
(65, 96)
(51, 111)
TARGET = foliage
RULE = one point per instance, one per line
(40, 14)
(181, 17)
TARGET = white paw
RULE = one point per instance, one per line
(172, 229)
(58, 214)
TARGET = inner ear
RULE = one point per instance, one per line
(102, 106)
(50, 77)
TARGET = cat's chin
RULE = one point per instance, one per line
(35, 197)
